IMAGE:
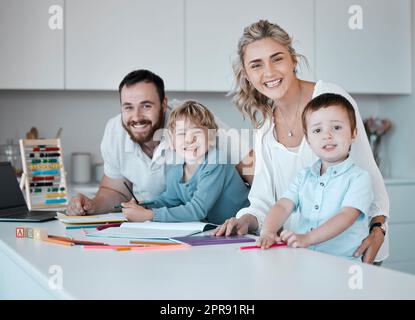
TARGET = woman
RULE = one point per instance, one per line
(270, 94)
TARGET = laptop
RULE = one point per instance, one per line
(12, 202)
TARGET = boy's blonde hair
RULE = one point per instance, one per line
(193, 111)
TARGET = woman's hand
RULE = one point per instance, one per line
(370, 246)
(240, 226)
(135, 213)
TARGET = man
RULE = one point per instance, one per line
(131, 148)
(129, 151)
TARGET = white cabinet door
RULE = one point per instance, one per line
(402, 239)
(367, 50)
(31, 44)
(213, 29)
(401, 226)
(401, 202)
(106, 39)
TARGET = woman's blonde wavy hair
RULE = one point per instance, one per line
(247, 99)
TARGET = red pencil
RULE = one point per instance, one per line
(282, 244)
(109, 225)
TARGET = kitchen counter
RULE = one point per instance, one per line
(29, 269)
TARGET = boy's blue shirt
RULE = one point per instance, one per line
(318, 198)
(215, 192)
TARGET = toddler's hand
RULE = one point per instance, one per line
(295, 240)
(266, 240)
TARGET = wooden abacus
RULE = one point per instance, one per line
(43, 176)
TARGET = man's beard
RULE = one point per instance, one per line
(144, 137)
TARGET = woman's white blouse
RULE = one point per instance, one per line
(276, 166)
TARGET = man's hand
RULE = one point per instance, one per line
(80, 205)
(135, 213)
(370, 246)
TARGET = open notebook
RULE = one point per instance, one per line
(153, 230)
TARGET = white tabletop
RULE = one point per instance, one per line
(204, 272)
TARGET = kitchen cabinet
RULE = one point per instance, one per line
(364, 45)
(401, 225)
(106, 39)
(32, 40)
(214, 27)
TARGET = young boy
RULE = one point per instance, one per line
(200, 189)
(331, 198)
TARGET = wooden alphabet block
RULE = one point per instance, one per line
(20, 232)
(40, 233)
(30, 233)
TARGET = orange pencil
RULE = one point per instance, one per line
(62, 242)
(123, 249)
(76, 241)
(137, 248)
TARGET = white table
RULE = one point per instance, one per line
(205, 272)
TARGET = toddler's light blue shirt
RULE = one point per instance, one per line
(318, 198)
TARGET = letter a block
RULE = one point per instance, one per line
(20, 232)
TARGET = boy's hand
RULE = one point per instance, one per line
(295, 240)
(266, 240)
(135, 213)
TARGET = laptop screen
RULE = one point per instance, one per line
(10, 194)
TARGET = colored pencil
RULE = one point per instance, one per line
(56, 241)
(109, 225)
(137, 248)
(141, 203)
(154, 243)
(131, 191)
(258, 247)
(82, 226)
(123, 249)
(81, 242)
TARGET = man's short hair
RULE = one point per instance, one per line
(143, 75)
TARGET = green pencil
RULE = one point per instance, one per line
(143, 203)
